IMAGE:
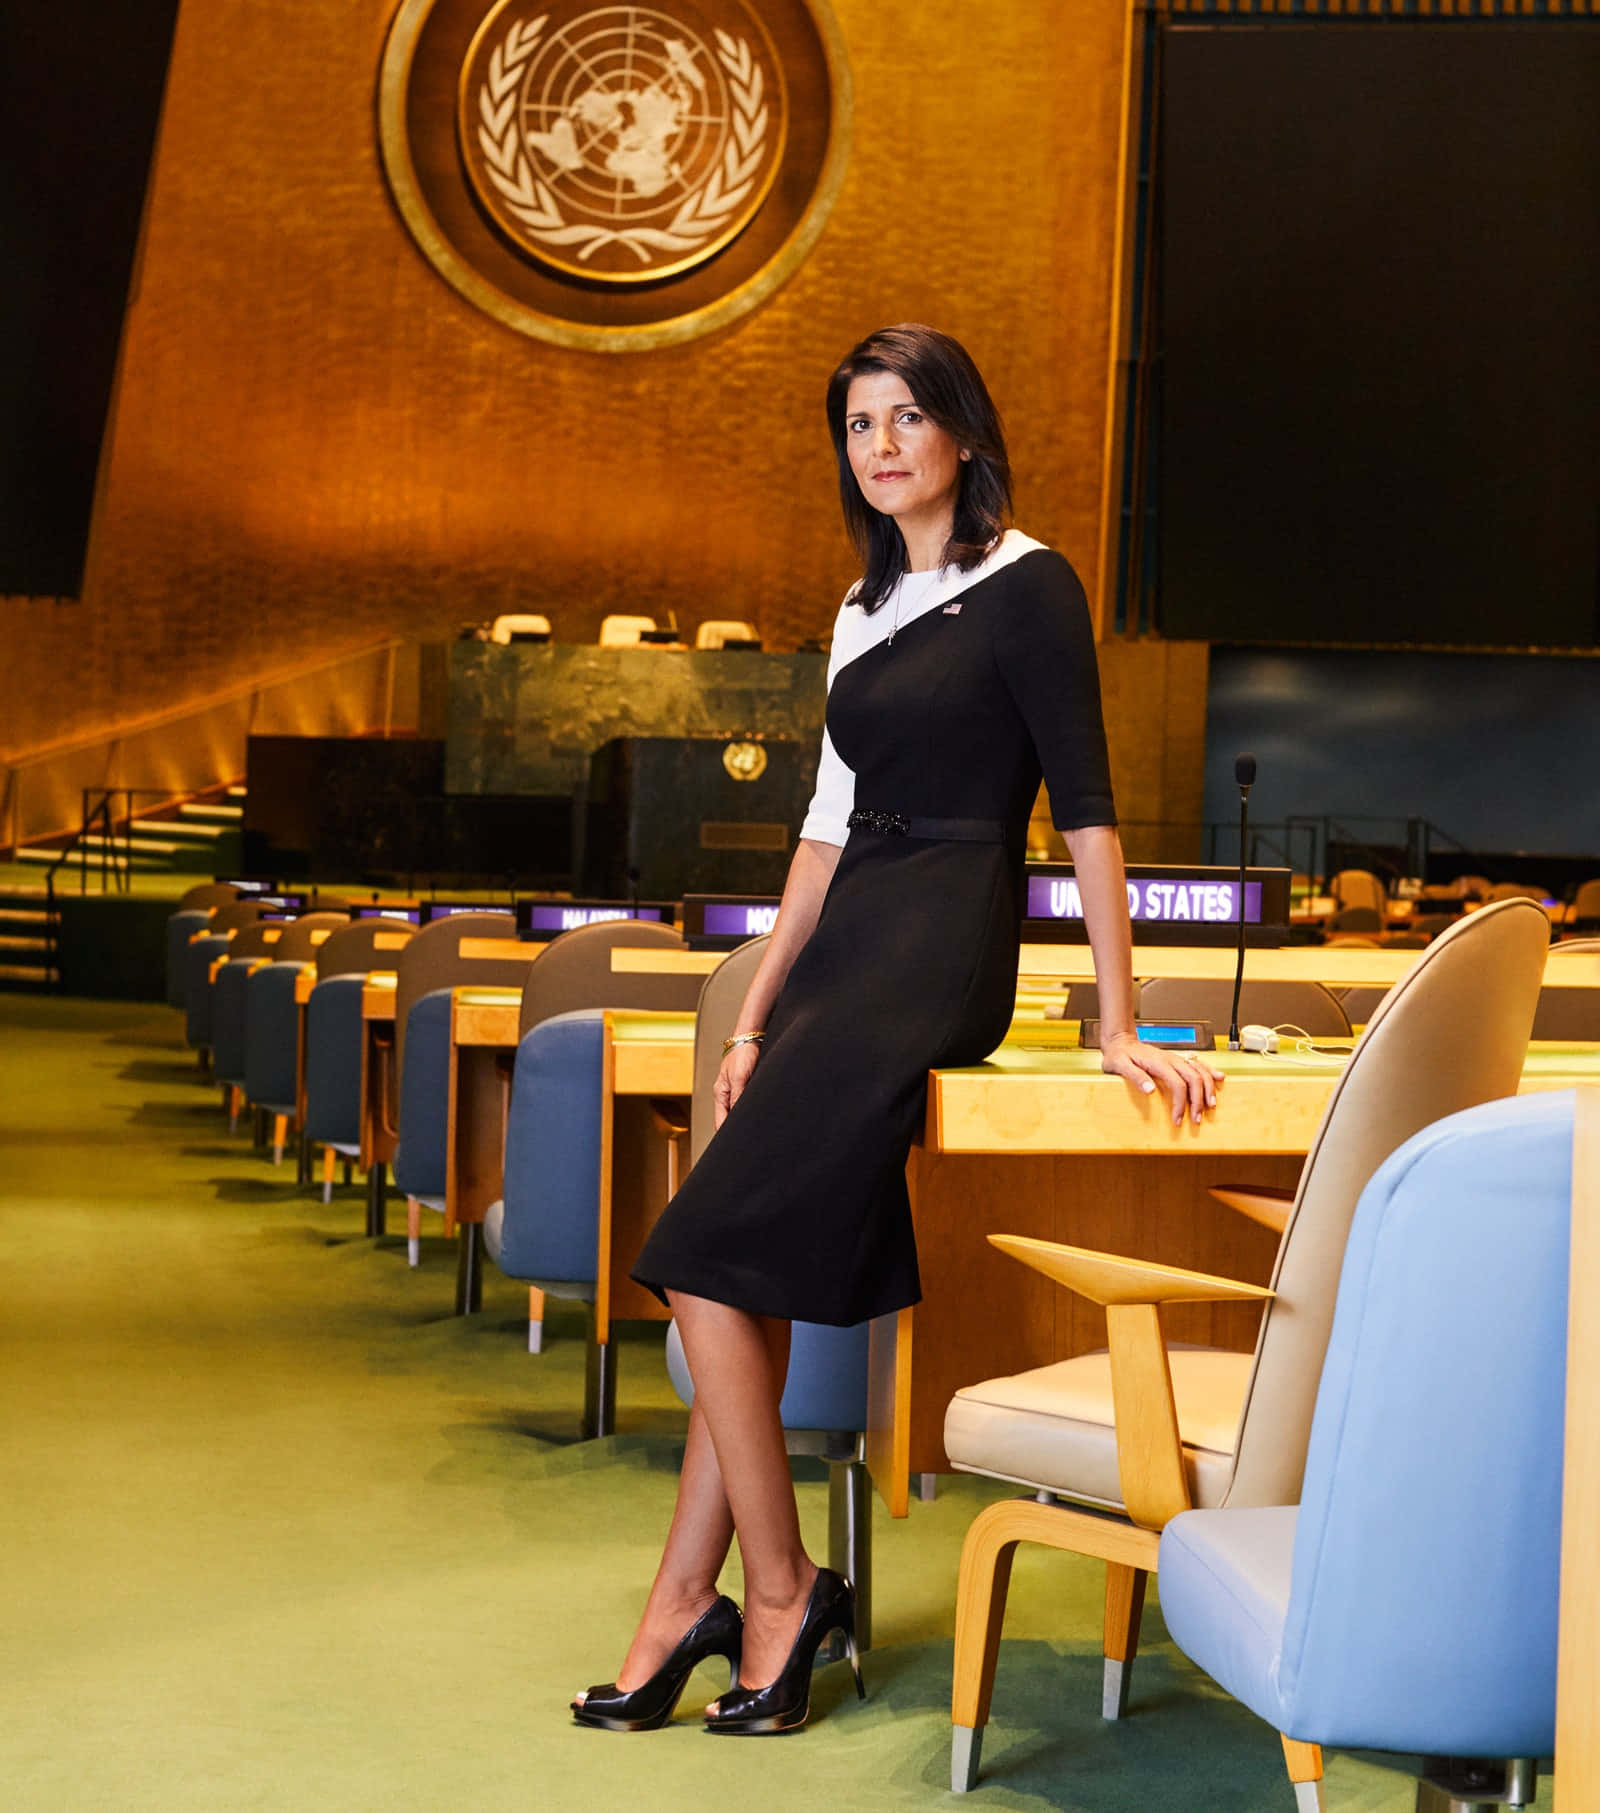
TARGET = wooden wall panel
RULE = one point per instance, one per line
(316, 442)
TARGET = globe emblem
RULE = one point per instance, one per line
(621, 143)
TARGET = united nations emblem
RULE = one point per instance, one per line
(620, 143)
(745, 761)
(614, 176)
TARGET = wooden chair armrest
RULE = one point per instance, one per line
(1155, 1485)
(1268, 1206)
(1108, 1278)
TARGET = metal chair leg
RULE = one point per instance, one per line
(599, 1387)
(377, 1201)
(1466, 1785)
(850, 1540)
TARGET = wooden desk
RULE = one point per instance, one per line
(1040, 1142)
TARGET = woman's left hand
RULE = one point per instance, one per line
(1190, 1082)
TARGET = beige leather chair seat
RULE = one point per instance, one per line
(1054, 1429)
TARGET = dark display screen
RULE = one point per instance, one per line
(449, 909)
(728, 919)
(719, 922)
(1169, 903)
(1207, 902)
(554, 916)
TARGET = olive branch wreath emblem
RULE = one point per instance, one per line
(530, 200)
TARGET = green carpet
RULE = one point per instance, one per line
(281, 1532)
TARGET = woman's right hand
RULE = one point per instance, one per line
(737, 1065)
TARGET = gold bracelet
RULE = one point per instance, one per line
(742, 1038)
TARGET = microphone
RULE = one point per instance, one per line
(1244, 772)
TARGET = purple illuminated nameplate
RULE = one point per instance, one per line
(1152, 902)
(450, 909)
(733, 919)
(555, 917)
(410, 915)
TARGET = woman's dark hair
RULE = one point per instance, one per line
(947, 387)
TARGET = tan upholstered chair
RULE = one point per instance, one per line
(1586, 903)
(520, 626)
(207, 894)
(233, 914)
(1140, 1433)
(717, 630)
(618, 631)
(1518, 890)
(362, 945)
(1360, 888)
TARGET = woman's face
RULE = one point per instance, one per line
(906, 465)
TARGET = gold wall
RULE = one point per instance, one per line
(316, 443)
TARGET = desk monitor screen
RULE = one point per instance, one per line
(245, 887)
(448, 909)
(1168, 904)
(718, 922)
(407, 915)
(537, 919)
(285, 904)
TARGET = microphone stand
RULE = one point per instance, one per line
(1244, 772)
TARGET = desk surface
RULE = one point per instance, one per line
(1037, 1096)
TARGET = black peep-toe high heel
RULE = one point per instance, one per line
(717, 1632)
(786, 1704)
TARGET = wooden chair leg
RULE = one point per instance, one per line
(280, 1136)
(981, 1588)
(535, 1319)
(1305, 1771)
(981, 1599)
(413, 1231)
(329, 1159)
(1124, 1610)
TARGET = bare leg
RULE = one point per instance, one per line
(702, 1529)
(738, 1374)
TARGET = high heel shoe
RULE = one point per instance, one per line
(786, 1704)
(717, 1632)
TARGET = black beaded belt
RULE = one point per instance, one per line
(954, 830)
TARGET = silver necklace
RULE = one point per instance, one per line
(899, 593)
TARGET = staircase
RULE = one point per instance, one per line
(196, 837)
(27, 947)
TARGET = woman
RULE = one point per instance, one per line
(963, 661)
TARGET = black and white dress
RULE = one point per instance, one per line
(943, 705)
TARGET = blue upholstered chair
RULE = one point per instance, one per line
(334, 1039)
(1409, 1602)
(416, 1090)
(1113, 1445)
(181, 927)
(193, 915)
(546, 1227)
(199, 954)
(271, 1021)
